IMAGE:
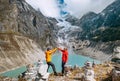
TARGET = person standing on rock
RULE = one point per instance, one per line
(64, 58)
(48, 55)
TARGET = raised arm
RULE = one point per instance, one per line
(53, 50)
(60, 49)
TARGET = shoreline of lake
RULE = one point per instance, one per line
(73, 60)
(90, 52)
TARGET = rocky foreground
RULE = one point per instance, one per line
(107, 71)
(103, 72)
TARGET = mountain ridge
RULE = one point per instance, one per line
(102, 28)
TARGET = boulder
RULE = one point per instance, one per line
(116, 73)
(36, 73)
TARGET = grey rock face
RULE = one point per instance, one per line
(18, 16)
(33, 24)
(72, 20)
(116, 56)
(23, 32)
(16, 50)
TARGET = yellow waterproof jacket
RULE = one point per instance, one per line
(49, 54)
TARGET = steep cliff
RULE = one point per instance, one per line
(23, 33)
(16, 50)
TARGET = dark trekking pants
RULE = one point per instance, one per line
(52, 65)
(63, 67)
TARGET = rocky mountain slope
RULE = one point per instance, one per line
(17, 50)
(18, 16)
(102, 30)
(23, 33)
(100, 26)
(104, 24)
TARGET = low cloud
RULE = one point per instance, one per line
(80, 7)
(48, 8)
(77, 8)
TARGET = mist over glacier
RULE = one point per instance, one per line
(48, 8)
(80, 7)
(77, 8)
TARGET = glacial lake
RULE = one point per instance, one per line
(74, 59)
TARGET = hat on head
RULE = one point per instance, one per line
(48, 49)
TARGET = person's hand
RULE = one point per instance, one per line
(58, 48)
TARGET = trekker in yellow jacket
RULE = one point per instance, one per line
(48, 56)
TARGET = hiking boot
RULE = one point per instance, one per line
(55, 74)
(62, 75)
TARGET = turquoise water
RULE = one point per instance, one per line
(73, 60)
(14, 73)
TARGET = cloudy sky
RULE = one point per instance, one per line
(77, 8)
